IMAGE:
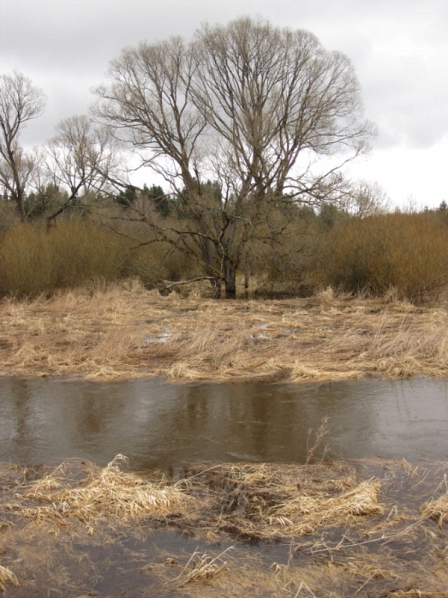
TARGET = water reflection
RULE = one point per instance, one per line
(161, 425)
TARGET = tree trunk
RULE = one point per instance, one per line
(230, 280)
(246, 282)
(21, 208)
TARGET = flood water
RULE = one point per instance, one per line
(161, 425)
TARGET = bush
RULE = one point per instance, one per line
(404, 251)
(34, 260)
(157, 262)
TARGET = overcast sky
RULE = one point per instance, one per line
(398, 47)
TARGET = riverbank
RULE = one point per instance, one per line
(323, 530)
(127, 332)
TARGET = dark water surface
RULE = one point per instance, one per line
(157, 424)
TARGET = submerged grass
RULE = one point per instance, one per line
(125, 332)
(437, 509)
(262, 503)
(321, 530)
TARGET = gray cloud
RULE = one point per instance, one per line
(399, 49)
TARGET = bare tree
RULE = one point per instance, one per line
(81, 159)
(248, 106)
(367, 199)
(20, 102)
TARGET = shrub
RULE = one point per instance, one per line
(34, 260)
(404, 251)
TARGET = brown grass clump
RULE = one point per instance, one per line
(244, 501)
(437, 509)
(201, 567)
(303, 514)
(127, 332)
(261, 502)
(7, 576)
(101, 494)
(292, 531)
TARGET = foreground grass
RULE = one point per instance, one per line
(325, 530)
(127, 332)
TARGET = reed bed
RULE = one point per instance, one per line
(125, 332)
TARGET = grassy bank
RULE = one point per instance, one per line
(126, 332)
(309, 531)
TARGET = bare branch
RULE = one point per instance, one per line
(20, 102)
(239, 121)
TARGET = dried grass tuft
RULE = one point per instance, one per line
(202, 568)
(304, 514)
(104, 493)
(436, 509)
(7, 576)
(262, 502)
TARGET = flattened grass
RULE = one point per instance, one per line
(437, 509)
(318, 530)
(128, 332)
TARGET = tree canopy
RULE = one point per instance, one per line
(249, 106)
(20, 102)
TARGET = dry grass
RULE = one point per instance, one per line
(359, 576)
(100, 494)
(265, 503)
(321, 530)
(128, 332)
(262, 502)
(202, 567)
(437, 509)
(7, 576)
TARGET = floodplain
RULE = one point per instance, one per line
(127, 332)
(312, 529)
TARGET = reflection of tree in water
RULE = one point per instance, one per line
(104, 418)
(352, 417)
(275, 429)
(96, 406)
(22, 423)
(197, 401)
(248, 419)
(91, 417)
(158, 425)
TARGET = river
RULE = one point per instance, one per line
(161, 425)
